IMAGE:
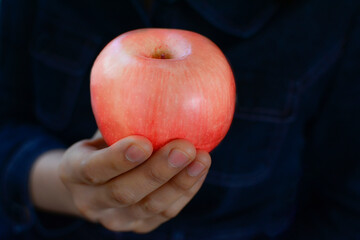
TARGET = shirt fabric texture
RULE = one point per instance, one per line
(289, 168)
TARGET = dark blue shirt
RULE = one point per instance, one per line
(289, 167)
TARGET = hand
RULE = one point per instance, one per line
(127, 187)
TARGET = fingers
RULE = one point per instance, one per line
(92, 166)
(134, 185)
(180, 185)
(122, 219)
(149, 224)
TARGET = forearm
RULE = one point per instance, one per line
(47, 190)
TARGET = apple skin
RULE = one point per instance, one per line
(163, 84)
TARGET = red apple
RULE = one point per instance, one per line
(163, 84)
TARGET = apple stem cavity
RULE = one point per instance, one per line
(161, 54)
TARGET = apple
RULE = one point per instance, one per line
(163, 84)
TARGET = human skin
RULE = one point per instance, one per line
(124, 187)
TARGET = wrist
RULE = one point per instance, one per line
(46, 188)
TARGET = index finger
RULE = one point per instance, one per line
(104, 164)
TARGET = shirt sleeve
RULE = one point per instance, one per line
(22, 138)
(329, 200)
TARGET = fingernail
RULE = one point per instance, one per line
(177, 158)
(135, 154)
(195, 169)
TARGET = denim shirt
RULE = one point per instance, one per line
(289, 168)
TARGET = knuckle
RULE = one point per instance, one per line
(155, 176)
(124, 197)
(152, 206)
(181, 186)
(87, 172)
